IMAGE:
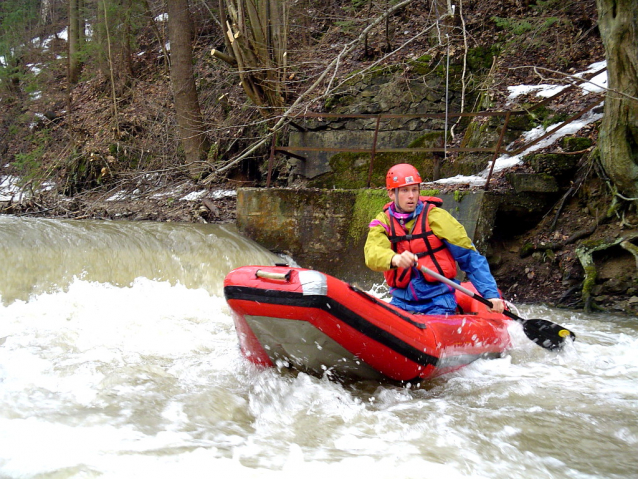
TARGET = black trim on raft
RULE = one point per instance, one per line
(338, 310)
(385, 306)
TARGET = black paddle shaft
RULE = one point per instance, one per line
(546, 334)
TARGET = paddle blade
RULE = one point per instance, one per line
(546, 334)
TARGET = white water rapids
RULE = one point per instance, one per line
(119, 359)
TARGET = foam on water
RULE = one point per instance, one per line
(145, 379)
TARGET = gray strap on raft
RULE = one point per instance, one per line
(270, 275)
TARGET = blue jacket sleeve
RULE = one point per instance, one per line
(477, 269)
(453, 234)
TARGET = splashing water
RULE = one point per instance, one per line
(118, 359)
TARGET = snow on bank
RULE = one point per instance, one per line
(10, 189)
(175, 193)
(595, 85)
(506, 161)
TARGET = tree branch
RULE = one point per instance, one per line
(223, 57)
(333, 65)
(463, 84)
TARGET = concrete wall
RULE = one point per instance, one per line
(318, 162)
(326, 229)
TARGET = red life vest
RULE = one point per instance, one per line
(430, 250)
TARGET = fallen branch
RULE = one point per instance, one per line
(223, 57)
(561, 204)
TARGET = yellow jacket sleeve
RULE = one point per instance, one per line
(378, 250)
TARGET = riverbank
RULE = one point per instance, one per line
(139, 199)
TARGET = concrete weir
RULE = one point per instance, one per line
(326, 229)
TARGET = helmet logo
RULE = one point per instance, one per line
(395, 178)
(409, 179)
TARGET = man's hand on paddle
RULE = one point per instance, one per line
(498, 305)
(404, 260)
(407, 259)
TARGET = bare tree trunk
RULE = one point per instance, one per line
(257, 37)
(618, 139)
(46, 12)
(74, 42)
(109, 49)
(81, 22)
(156, 31)
(127, 50)
(189, 118)
(99, 30)
(223, 19)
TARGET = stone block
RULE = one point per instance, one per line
(532, 183)
(555, 164)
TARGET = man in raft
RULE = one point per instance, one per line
(413, 230)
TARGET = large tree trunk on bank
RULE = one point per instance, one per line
(618, 140)
(189, 117)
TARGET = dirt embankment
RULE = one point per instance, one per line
(577, 258)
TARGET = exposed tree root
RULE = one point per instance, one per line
(585, 254)
(561, 204)
(581, 234)
(632, 248)
(569, 292)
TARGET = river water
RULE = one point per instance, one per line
(118, 359)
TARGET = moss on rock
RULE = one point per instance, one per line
(555, 164)
(481, 57)
(367, 204)
(350, 170)
(575, 143)
(421, 65)
(431, 139)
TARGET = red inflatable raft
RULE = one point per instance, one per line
(310, 321)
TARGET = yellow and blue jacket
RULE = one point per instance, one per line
(378, 255)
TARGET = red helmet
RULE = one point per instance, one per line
(402, 175)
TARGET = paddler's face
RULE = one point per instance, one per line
(405, 198)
